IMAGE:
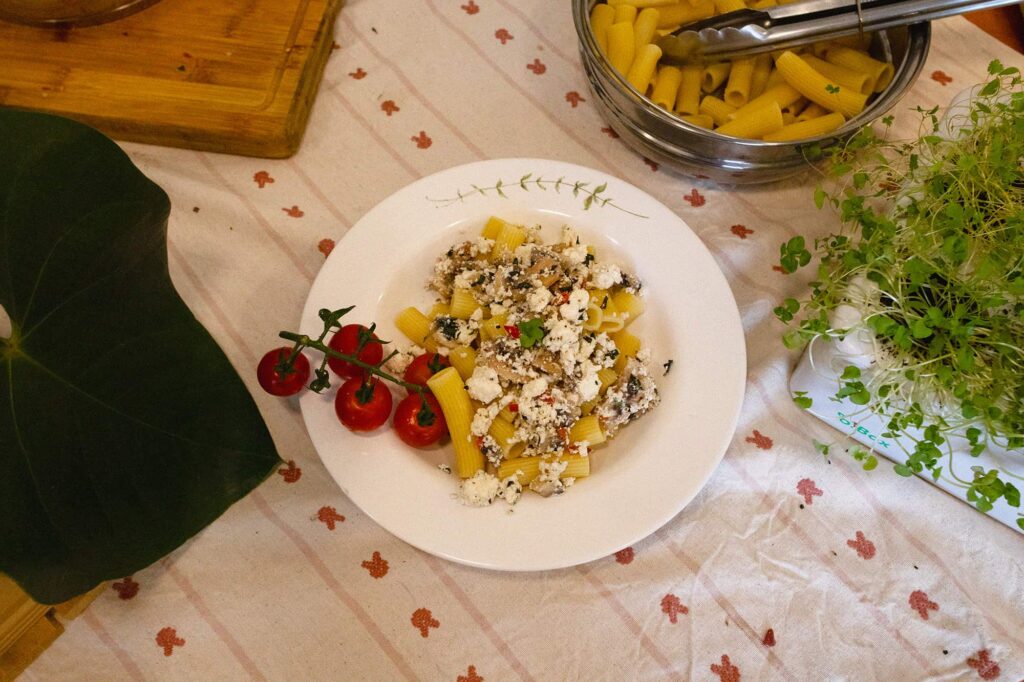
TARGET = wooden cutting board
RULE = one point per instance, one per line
(28, 628)
(233, 76)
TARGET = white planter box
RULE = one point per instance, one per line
(820, 380)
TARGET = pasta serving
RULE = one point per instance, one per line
(777, 97)
(542, 365)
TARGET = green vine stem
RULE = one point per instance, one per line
(322, 381)
(592, 197)
(304, 341)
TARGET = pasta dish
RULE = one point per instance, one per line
(543, 367)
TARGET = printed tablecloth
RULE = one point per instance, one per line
(786, 566)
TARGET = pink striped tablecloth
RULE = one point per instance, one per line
(786, 566)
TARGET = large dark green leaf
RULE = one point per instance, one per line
(123, 428)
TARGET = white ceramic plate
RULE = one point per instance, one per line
(642, 478)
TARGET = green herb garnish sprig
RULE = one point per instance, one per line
(936, 226)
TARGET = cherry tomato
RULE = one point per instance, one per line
(416, 426)
(363, 408)
(346, 340)
(425, 366)
(276, 382)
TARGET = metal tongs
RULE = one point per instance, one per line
(749, 31)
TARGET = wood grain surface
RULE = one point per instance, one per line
(236, 76)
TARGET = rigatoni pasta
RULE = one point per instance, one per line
(836, 76)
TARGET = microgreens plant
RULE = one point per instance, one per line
(931, 253)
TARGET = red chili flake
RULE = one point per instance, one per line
(512, 330)
(564, 298)
(513, 407)
(548, 399)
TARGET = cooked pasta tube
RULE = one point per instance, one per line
(672, 16)
(714, 76)
(644, 26)
(628, 303)
(601, 17)
(774, 78)
(603, 299)
(509, 238)
(625, 12)
(700, 120)
(447, 387)
(666, 87)
(759, 76)
(754, 124)
(439, 309)
(726, 6)
(587, 429)
(737, 87)
(858, 61)
(641, 3)
(817, 88)
(621, 46)
(860, 81)
(783, 95)
(808, 128)
(612, 322)
(463, 304)
(718, 110)
(627, 343)
(417, 327)
(594, 317)
(796, 107)
(812, 110)
(493, 327)
(642, 70)
(502, 431)
(688, 100)
(607, 377)
(463, 359)
(529, 467)
(493, 225)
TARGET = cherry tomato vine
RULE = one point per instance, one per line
(285, 365)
